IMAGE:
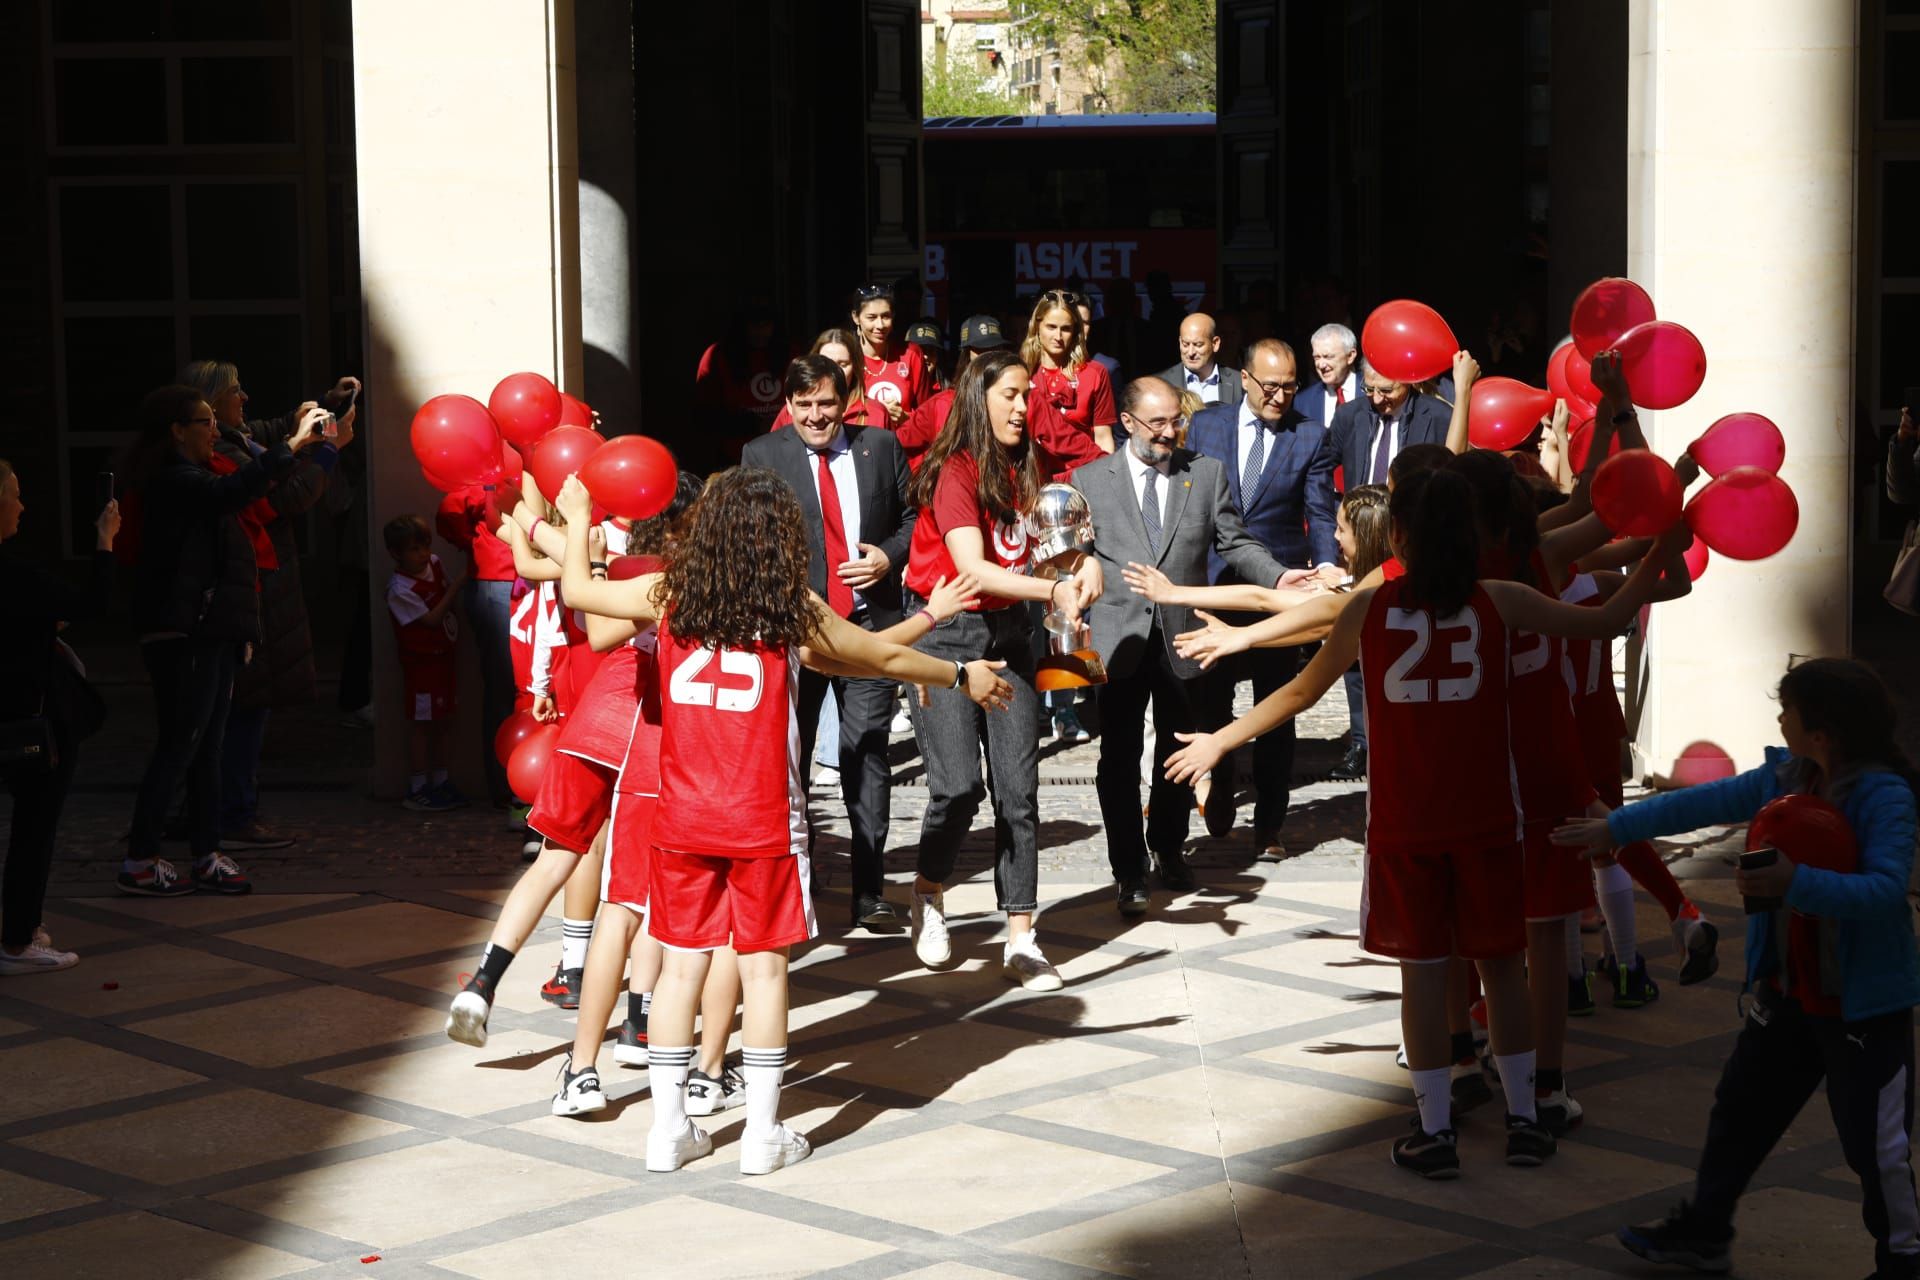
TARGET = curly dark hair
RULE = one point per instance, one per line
(736, 578)
(1009, 478)
(653, 536)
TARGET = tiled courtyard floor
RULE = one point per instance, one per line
(261, 1087)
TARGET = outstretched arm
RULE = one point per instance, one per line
(1466, 371)
(1525, 609)
(853, 649)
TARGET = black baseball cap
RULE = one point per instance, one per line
(981, 333)
(925, 333)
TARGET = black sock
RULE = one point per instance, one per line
(1549, 1079)
(1463, 1046)
(493, 963)
(637, 1008)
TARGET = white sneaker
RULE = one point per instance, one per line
(902, 722)
(1022, 962)
(707, 1095)
(827, 777)
(930, 939)
(667, 1152)
(467, 1019)
(580, 1091)
(1558, 1112)
(776, 1151)
(36, 958)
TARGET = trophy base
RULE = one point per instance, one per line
(1076, 670)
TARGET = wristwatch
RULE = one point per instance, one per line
(959, 676)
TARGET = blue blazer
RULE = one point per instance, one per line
(1353, 440)
(1290, 511)
(1311, 403)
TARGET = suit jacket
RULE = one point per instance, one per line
(1232, 390)
(1311, 403)
(886, 517)
(1353, 440)
(1199, 522)
(1290, 511)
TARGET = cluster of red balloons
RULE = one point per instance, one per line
(524, 747)
(1663, 362)
(461, 442)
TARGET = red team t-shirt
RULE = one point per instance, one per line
(956, 505)
(901, 377)
(1083, 396)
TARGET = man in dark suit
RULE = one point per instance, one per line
(1369, 432)
(1165, 508)
(1200, 370)
(1280, 477)
(1335, 352)
(852, 486)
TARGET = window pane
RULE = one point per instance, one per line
(1900, 87)
(233, 19)
(1899, 347)
(1899, 238)
(267, 350)
(237, 100)
(243, 241)
(93, 21)
(116, 244)
(111, 363)
(101, 102)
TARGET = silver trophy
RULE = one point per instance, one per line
(1059, 531)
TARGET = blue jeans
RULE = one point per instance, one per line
(1356, 708)
(489, 612)
(192, 689)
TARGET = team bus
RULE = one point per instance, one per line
(1103, 199)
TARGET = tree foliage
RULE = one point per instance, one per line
(958, 87)
(1141, 55)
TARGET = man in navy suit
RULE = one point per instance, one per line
(1280, 478)
(1369, 432)
(1335, 352)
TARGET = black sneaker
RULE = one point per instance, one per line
(707, 1096)
(1469, 1088)
(1434, 1156)
(1580, 994)
(1701, 941)
(1353, 768)
(1528, 1142)
(579, 1091)
(1680, 1240)
(1632, 988)
(158, 880)
(630, 1050)
(562, 989)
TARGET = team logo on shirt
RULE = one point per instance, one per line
(1010, 542)
(885, 392)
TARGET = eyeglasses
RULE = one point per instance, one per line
(1271, 390)
(1379, 393)
(1158, 425)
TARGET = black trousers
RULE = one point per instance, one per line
(39, 795)
(1782, 1055)
(356, 662)
(1268, 669)
(192, 689)
(1123, 714)
(866, 777)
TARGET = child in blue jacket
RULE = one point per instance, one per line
(1844, 1015)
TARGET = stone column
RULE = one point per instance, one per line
(1741, 155)
(469, 254)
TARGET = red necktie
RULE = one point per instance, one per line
(839, 594)
(1340, 394)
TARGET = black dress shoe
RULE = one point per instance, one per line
(1353, 768)
(1133, 899)
(1173, 871)
(1219, 808)
(874, 912)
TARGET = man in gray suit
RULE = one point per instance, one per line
(1153, 504)
(1200, 370)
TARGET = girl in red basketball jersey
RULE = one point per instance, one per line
(729, 839)
(1444, 861)
(1055, 352)
(895, 373)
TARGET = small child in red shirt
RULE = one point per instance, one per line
(420, 597)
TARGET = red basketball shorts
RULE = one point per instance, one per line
(1428, 906)
(1559, 881)
(629, 849)
(573, 802)
(427, 686)
(698, 902)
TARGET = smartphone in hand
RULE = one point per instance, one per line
(1753, 860)
(102, 490)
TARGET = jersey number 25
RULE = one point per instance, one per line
(689, 690)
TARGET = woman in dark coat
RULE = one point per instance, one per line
(196, 611)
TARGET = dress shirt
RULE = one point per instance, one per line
(1250, 422)
(840, 462)
(1348, 390)
(1138, 470)
(1391, 424)
(1207, 388)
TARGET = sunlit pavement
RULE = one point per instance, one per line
(261, 1086)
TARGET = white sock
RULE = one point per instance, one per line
(1615, 889)
(1433, 1094)
(646, 1004)
(667, 1074)
(1516, 1081)
(1576, 949)
(574, 937)
(763, 1069)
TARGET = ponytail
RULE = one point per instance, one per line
(1506, 508)
(1844, 699)
(1440, 545)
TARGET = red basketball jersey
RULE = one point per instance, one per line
(730, 781)
(1546, 747)
(640, 766)
(1588, 670)
(1440, 774)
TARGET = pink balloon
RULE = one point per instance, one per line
(1635, 493)
(1663, 362)
(1745, 514)
(1606, 309)
(563, 451)
(1701, 762)
(1570, 377)
(1740, 440)
(1697, 558)
(526, 405)
(634, 476)
(455, 439)
(1408, 341)
(1501, 412)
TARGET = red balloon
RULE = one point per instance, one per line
(1570, 377)
(1806, 830)
(512, 465)
(1580, 443)
(1740, 440)
(634, 477)
(1636, 493)
(1746, 514)
(1697, 558)
(574, 413)
(526, 405)
(1606, 309)
(1501, 412)
(1663, 362)
(456, 439)
(1701, 762)
(1408, 341)
(624, 567)
(560, 453)
(513, 731)
(528, 763)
